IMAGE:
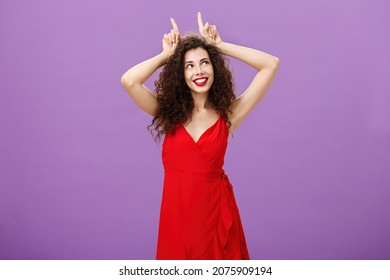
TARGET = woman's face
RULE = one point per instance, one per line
(198, 71)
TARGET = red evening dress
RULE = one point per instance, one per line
(199, 218)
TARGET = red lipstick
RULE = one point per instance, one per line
(200, 82)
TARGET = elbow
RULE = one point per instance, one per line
(127, 81)
(123, 79)
(275, 63)
(271, 64)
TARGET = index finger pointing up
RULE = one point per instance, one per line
(200, 22)
(174, 25)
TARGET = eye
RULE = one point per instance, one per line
(188, 66)
(206, 62)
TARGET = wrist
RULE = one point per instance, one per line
(221, 46)
(165, 55)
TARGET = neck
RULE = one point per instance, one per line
(200, 101)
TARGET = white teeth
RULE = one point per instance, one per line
(200, 80)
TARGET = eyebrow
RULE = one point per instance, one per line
(203, 59)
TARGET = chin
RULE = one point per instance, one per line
(205, 91)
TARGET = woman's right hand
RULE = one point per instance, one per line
(171, 40)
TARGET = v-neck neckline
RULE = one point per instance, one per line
(197, 141)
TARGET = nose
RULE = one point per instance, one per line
(199, 70)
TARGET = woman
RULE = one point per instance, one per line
(195, 109)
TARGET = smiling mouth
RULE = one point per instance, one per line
(200, 82)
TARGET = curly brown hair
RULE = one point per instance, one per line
(173, 95)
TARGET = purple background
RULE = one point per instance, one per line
(81, 177)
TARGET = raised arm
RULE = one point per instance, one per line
(134, 78)
(266, 64)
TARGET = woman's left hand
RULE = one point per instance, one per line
(208, 32)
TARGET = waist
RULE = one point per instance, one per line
(218, 173)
